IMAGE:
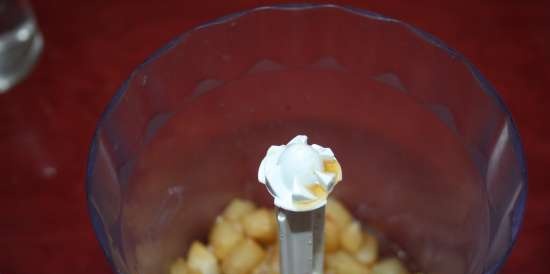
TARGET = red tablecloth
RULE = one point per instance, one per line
(91, 46)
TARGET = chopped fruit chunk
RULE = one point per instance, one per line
(243, 258)
(389, 266)
(368, 252)
(224, 236)
(202, 260)
(332, 236)
(261, 225)
(342, 263)
(351, 237)
(238, 208)
(336, 212)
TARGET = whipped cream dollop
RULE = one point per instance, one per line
(299, 176)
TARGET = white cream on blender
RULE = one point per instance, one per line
(299, 176)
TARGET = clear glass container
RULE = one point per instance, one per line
(431, 156)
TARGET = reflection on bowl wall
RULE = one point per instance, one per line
(430, 154)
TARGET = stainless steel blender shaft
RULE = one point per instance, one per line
(301, 237)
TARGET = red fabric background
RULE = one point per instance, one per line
(91, 46)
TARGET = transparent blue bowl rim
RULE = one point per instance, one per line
(483, 83)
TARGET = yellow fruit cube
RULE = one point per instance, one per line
(368, 252)
(274, 262)
(179, 267)
(351, 237)
(238, 208)
(270, 263)
(202, 260)
(336, 212)
(342, 263)
(243, 258)
(332, 236)
(261, 225)
(224, 236)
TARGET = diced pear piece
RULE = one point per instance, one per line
(261, 225)
(243, 258)
(202, 260)
(336, 212)
(368, 252)
(351, 237)
(270, 263)
(180, 267)
(389, 266)
(224, 236)
(342, 263)
(238, 208)
(332, 236)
